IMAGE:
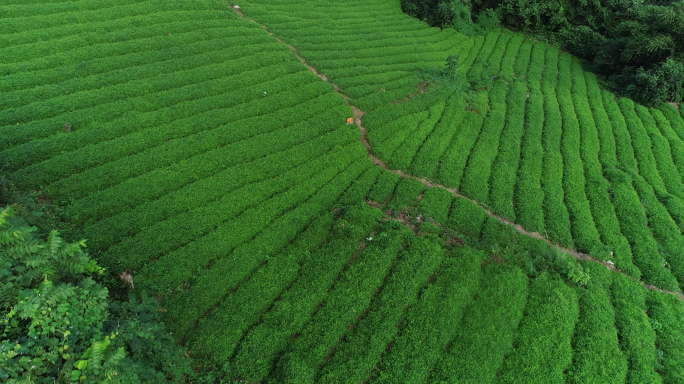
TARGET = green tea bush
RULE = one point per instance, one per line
(433, 320)
(542, 346)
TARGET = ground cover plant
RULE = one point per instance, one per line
(189, 143)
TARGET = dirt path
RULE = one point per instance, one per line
(358, 119)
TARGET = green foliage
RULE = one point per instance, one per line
(449, 76)
(552, 260)
(58, 324)
(542, 346)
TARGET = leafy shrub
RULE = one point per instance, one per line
(57, 323)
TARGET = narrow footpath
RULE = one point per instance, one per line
(358, 119)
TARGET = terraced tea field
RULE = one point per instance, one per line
(206, 148)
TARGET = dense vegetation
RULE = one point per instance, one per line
(188, 144)
(638, 46)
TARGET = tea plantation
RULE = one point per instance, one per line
(205, 146)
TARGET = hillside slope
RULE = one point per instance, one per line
(188, 142)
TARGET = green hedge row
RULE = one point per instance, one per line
(231, 268)
(100, 114)
(186, 252)
(529, 196)
(360, 187)
(403, 155)
(634, 225)
(542, 346)
(26, 16)
(208, 129)
(663, 229)
(93, 188)
(597, 357)
(383, 188)
(513, 55)
(535, 63)
(217, 336)
(505, 167)
(642, 146)
(666, 314)
(426, 161)
(152, 115)
(486, 334)
(436, 204)
(116, 219)
(349, 299)
(662, 153)
(87, 102)
(477, 68)
(167, 236)
(386, 140)
(467, 219)
(597, 189)
(637, 338)
(80, 45)
(433, 320)
(675, 119)
(355, 359)
(493, 64)
(522, 61)
(406, 195)
(557, 219)
(467, 63)
(453, 163)
(675, 143)
(585, 235)
(147, 65)
(475, 181)
(263, 343)
(146, 188)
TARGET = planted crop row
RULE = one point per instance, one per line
(186, 306)
(127, 173)
(476, 176)
(637, 338)
(355, 359)
(477, 68)
(597, 188)
(168, 235)
(217, 336)
(485, 336)
(349, 299)
(426, 161)
(493, 63)
(406, 195)
(404, 153)
(433, 320)
(542, 345)
(597, 357)
(262, 344)
(513, 54)
(642, 146)
(675, 143)
(662, 153)
(436, 204)
(112, 209)
(585, 235)
(505, 167)
(666, 314)
(529, 196)
(452, 164)
(467, 218)
(192, 106)
(557, 219)
(630, 212)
